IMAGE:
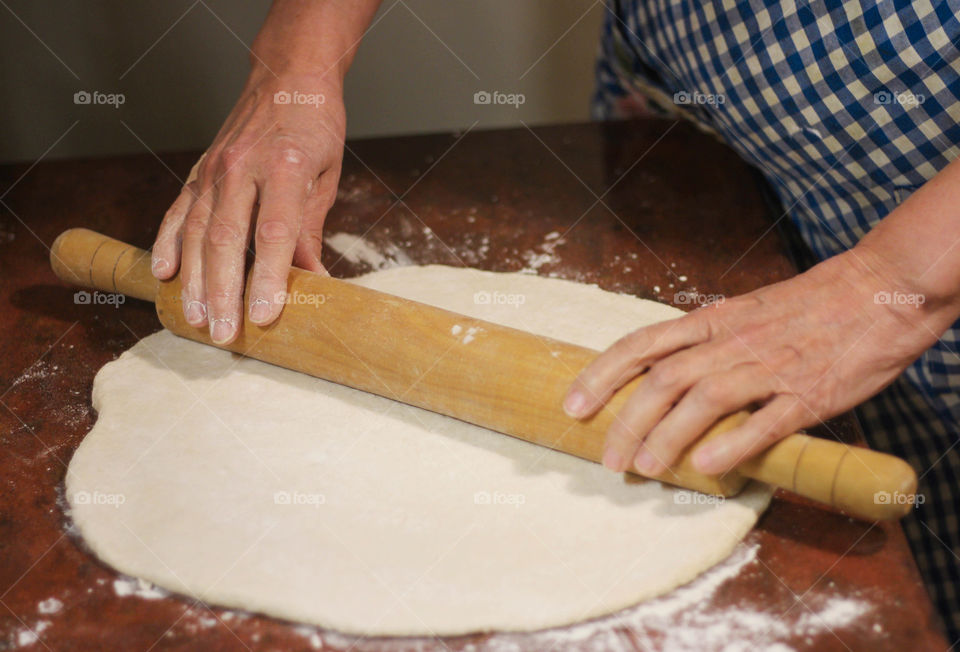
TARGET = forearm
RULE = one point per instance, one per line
(916, 248)
(311, 37)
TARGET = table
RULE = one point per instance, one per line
(652, 208)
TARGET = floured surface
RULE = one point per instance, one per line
(260, 488)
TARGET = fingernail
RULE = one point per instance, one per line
(645, 463)
(575, 404)
(196, 312)
(259, 310)
(221, 330)
(612, 460)
(160, 266)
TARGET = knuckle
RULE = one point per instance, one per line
(232, 155)
(665, 375)
(194, 228)
(221, 234)
(274, 232)
(712, 392)
(290, 157)
(222, 296)
(770, 435)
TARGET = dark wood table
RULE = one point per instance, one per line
(649, 208)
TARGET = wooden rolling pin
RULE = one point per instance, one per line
(503, 379)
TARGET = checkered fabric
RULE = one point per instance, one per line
(846, 108)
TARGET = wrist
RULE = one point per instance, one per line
(312, 37)
(895, 291)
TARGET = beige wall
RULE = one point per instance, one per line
(180, 64)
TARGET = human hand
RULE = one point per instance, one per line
(274, 163)
(806, 349)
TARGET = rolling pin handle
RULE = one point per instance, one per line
(90, 259)
(862, 482)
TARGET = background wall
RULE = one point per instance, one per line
(180, 64)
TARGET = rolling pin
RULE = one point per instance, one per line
(503, 379)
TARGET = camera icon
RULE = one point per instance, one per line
(881, 498)
(682, 498)
(82, 97)
(482, 97)
(482, 298)
(481, 498)
(682, 97)
(281, 498)
(81, 498)
(82, 298)
(881, 298)
(883, 97)
(282, 97)
(682, 298)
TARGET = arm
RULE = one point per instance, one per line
(805, 349)
(276, 160)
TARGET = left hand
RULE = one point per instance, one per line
(807, 349)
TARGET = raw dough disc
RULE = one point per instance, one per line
(255, 487)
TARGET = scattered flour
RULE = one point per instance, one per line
(456, 330)
(678, 622)
(29, 636)
(544, 254)
(127, 586)
(473, 330)
(357, 250)
(39, 370)
(49, 606)
(312, 635)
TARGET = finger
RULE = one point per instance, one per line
(309, 243)
(165, 257)
(628, 357)
(780, 417)
(191, 262)
(663, 386)
(710, 399)
(224, 249)
(278, 225)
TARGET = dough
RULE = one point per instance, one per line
(251, 486)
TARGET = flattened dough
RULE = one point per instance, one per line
(255, 487)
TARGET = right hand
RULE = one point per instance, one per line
(277, 164)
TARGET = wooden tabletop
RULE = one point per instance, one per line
(649, 208)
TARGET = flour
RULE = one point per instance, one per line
(473, 330)
(30, 635)
(544, 254)
(677, 622)
(358, 251)
(49, 606)
(127, 586)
